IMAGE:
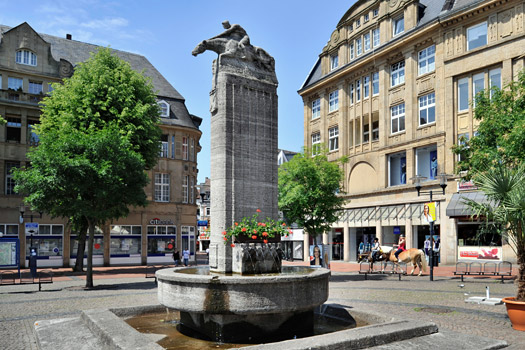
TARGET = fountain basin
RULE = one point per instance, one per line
(235, 308)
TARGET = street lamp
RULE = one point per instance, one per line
(443, 184)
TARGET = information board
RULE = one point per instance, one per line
(9, 252)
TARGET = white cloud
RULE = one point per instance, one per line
(106, 24)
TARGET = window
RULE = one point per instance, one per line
(35, 88)
(375, 83)
(476, 36)
(333, 101)
(376, 37)
(50, 87)
(397, 118)
(352, 51)
(162, 187)
(350, 27)
(462, 140)
(163, 146)
(427, 109)
(375, 127)
(9, 230)
(184, 148)
(494, 80)
(351, 134)
(162, 230)
(192, 149)
(351, 94)
(9, 180)
(25, 57)
(172, 146)
(185, 180)
(366, 86)
(357, 23)
(358, 90)
(334, 62)
(13, 129)
(397, 169)
(14, 83)
(367, 41)
(316, 108)
(478, 85)
(426, 59)
(192, 189)
(33, 138)
(399, 26)
(0, 89)
(316, 142)
(366, 18)
(398, 73)
(164, 109)
(463, 94)
(375, 12)
(366, 130)
(359, 46)
(426, 162)
(333, 139)
(13, 97)
(208, 212)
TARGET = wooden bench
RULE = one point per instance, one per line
(385, 268)
(489, 269)
(12, 278)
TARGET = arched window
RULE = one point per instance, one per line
(26, 57)
(164, 109)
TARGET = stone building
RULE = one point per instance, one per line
(393, 91)
(29, 63)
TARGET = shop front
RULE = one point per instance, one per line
(162, 238)
(293, 245)
(48, 242)
(125, 244)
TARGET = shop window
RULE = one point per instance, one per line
(427, 162)
(13, 129)
(125, 240)
(478, 235)
(397, 173)
(9, 229)
(477, 36)
(48, 241)
(160, 239)
(188, 238)
(9, 179)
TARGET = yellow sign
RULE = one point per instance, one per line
(429, 212)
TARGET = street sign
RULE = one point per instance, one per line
(31, 228)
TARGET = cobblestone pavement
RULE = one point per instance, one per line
(440, 301)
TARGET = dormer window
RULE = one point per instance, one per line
(25, 57)
(164, 109)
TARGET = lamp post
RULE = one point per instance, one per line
(443, 184)
(28, 216)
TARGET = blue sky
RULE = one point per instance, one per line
(293, 31)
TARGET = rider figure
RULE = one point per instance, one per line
(235, 32)
(401, 247)
(375, 249)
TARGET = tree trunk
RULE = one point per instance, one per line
(89, 274)
(521, 275)
(79, 263)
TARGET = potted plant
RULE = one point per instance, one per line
(252, 230)
(504, 188)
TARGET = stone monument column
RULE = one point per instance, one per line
(243, 105)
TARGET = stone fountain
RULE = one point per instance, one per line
(245, 294)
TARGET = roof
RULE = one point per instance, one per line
(433, 10)
(75, 52)
(457, 206)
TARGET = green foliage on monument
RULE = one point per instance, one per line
(500, 138)
(309, 191)
(98, 133)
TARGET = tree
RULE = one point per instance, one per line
(505, 210)
(308, 191)
(98, 133)
(500, 136)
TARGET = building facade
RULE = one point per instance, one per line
(204, 214)
(393, 90)
(29, 63)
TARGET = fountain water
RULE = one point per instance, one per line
(261, 298)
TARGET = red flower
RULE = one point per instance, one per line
(265, 241)
(243, 229)
(258, 210)
(265, 234)
(284, 224)
(290, 231)
(224, 233)
(259, 224)
(225, 238)
(254, 231)
(236, 224)
(263, 224)
(233, 245)
(254, 237)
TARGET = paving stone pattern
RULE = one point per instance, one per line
(441, 301)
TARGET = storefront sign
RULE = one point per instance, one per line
(479, 253)
(202, 223)
(397, 230)
(31, 228)
(466, 186)
(158, 221)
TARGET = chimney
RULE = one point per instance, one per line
(69, 36)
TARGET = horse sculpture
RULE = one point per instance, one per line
(413, 255)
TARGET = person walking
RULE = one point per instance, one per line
(186, 256)
(426, 246)
(176, 257)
